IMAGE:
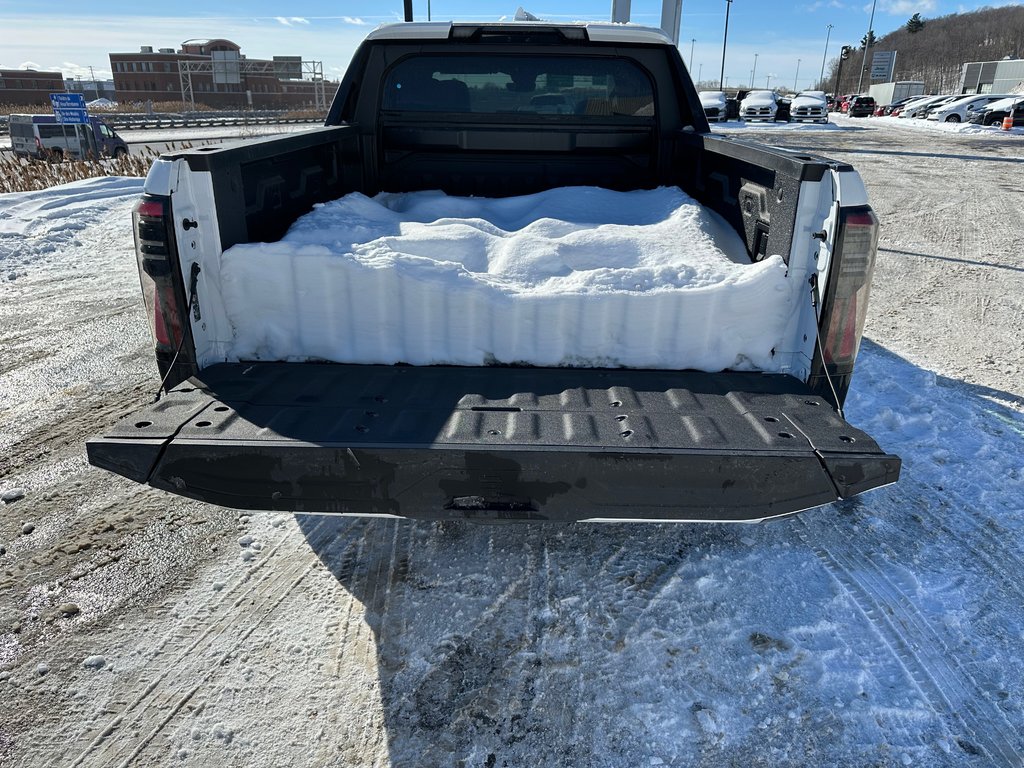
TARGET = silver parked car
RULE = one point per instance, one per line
(759, 105)
(809, 105)
(714, 105)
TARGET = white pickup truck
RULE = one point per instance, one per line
(485, 111)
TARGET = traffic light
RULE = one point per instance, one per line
(845, 52)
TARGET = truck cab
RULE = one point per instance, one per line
(43, 138)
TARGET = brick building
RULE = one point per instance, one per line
(27, 86)
(217, 73)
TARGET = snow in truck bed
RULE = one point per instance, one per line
(570, 276)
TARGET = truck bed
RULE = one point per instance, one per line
(496, 443)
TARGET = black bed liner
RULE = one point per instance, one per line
(496, 443)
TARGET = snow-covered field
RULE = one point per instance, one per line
(140, 629)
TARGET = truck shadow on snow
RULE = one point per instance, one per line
(584, 644)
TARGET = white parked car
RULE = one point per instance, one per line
(714, 105)
(809, 105)
(956, 111)
(759, 105)
(920, 107)
(911, 103)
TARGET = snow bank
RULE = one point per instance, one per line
(66, 227)
(572, 276)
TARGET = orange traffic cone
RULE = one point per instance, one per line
(1008, 122)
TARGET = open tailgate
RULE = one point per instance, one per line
(496, 443)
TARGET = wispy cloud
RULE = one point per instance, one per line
(354, 20)
(89, 40)
(903, 7)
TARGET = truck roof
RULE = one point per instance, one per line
(604, 32)
(43, 119)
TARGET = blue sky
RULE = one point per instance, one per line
(787, 38)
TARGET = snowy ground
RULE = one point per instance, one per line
(140, 629)
(841, 122)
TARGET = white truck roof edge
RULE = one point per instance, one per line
(603, 32)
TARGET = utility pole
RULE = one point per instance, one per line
(753, 71)
(795, 79)
(821, 77)
(725, 38)
(844, 54)
(768, 82)
(867, 43)
(693, 42)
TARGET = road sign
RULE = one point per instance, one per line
(883, 65)
(70, 116)
(68, 100)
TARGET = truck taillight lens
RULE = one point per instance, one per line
(151, 219)
(845, 303)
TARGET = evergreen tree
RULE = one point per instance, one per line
(916, 24)
(868, 40)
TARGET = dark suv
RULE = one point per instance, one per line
(862, 106)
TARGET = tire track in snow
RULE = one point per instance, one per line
(149, 703)
(925, 655)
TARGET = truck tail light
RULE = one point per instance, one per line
(845, 304)
(160, 292)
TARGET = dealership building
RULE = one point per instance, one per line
(216, 73)
(1006, 76)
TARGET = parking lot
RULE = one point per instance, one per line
(142, 629)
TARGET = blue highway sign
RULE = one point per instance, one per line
(65, 115)
(72, 100)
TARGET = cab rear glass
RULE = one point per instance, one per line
(531, 86)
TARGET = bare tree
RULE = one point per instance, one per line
(936, 52)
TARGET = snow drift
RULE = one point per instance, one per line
(571, 276)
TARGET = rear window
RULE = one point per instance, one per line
(525, 85)
(22, 130)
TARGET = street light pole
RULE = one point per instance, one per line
(867, 42)
(725, 38)
(821, 77)
(753, 71)
(693, 41)
(795, 79)
(768, 82)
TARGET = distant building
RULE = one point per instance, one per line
(216, 73)
(1006, 76)
(27, 86)
(91, 89)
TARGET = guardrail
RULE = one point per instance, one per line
(130, 121)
